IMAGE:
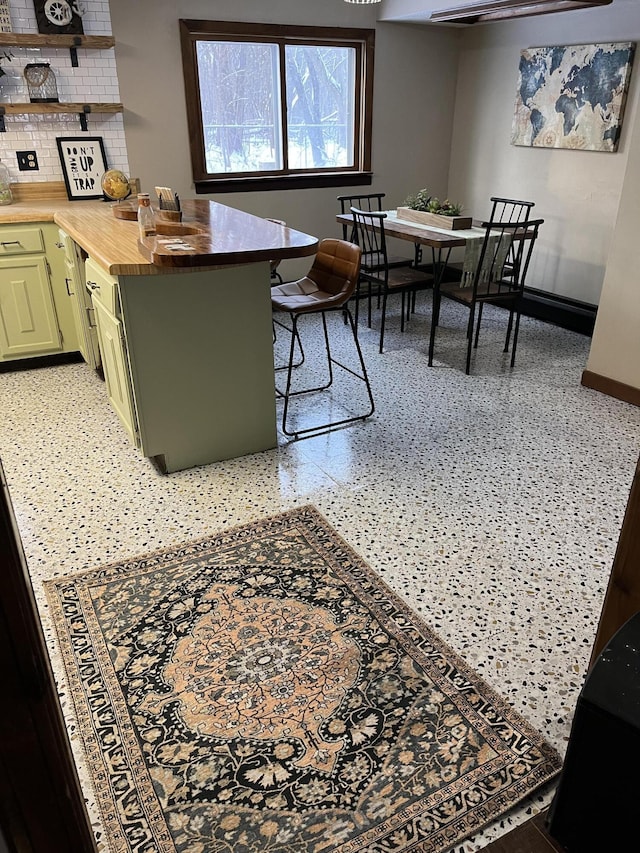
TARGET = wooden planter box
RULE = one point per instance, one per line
(453, 223)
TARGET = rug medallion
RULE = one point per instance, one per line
(262, 691)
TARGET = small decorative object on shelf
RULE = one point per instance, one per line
(58, 16)
(5, 17)
(41, 83)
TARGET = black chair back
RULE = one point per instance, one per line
(369, 202)
(370, 236)
(510, 210)
(503, 260)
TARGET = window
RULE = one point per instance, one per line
(277, 106)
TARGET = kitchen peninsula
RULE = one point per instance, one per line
(185, 333)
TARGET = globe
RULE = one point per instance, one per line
(115, 185)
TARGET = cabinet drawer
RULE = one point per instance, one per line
(102, 286)
(21, 241)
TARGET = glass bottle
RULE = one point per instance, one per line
(6, 197)
(146, 217)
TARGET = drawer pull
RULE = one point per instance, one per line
(93, 285)
(67, 282)
(10, 243)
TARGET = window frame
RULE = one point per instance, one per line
(193, 31)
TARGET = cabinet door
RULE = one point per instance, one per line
(80, 302)
(28, 321)
(116, 368)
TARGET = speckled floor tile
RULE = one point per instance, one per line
(491, 503)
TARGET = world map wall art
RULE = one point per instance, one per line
(572, 96)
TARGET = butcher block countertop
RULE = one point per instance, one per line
(211, 235)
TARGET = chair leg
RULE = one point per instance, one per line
(299, 342)
(363, 376)
(287, 392)
(515, 337)
(402, 308)
(470, 336)
(480, 307)
(383, 319)
(435, 316)
(509, 328)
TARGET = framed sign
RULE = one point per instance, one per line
(83, 165)
(58, 16)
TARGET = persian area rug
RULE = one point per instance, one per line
(263, 691)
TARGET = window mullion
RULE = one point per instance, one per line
(284, 123)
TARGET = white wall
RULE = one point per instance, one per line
(576, 192)
(412, 120)
(615, 348)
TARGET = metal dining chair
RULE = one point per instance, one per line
(376, 270)
(509, 210)
(487, 281)
(371, 203)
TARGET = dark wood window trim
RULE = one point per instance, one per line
(192, 31)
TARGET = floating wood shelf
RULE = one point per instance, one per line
(83, 110)
(73, 41)
(53, 40)
(70, 40)
(59, 107)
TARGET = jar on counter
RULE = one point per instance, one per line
(6, 196)
(146, 216)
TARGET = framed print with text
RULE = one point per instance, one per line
(83, 165)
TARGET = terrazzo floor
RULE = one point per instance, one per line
(491, 503)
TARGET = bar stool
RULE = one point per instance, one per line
(327, 287)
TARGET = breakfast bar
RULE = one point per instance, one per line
(184, 326)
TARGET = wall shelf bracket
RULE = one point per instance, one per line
(73, 51)
(83, 117)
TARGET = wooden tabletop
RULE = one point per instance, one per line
(414, 233)
(217, 236)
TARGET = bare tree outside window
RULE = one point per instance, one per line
(276, 101)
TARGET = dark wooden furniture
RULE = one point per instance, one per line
(622, 599)
(41, 803)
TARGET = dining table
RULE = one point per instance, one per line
(441, 241)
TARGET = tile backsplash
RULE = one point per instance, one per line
(94, 80)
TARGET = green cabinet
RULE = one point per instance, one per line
(36, 316)
(188, 360)
(28, 320)
(83, 311)
(113, 347)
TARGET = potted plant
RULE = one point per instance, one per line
(429, 210)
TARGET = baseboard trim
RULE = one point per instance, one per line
(611, 387)
(560, 311)
(40, 361)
